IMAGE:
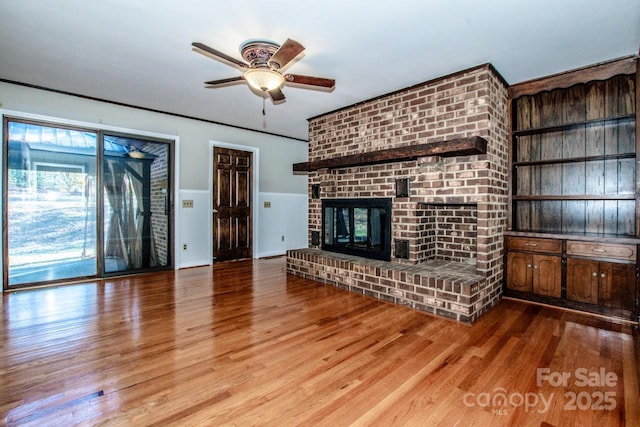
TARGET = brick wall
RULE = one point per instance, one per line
(449, 232)
(469, 103)
(159, 192)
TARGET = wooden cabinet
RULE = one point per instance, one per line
(617, 285)
(599, 277)
(532, 272)
(582, 280)
(608, 284)
(520, 272)
(547, 274)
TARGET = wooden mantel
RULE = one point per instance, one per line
(455, 147)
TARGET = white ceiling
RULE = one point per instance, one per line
(138, 52)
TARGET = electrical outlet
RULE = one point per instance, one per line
(282, 238)
(184, 247)
(267, 204)
(187, 203)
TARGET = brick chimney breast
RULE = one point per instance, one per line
(455, 214)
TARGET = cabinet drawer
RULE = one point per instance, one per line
(534, 245)
(601, 250)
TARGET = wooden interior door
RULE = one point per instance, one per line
(232, 213)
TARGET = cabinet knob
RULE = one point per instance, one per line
(594, 274)
(528, 265)
(603, 275)
(535, 266)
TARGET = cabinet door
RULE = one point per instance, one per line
(582, 280)
(617, 285)
(519, 271)
(547, 275)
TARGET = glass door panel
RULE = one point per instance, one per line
(136, 204)
(50, 203)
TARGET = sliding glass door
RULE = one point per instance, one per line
(79, 203)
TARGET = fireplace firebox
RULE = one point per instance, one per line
(360, 227)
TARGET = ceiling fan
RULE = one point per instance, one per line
(262, 70)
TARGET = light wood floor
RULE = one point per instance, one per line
(244, 344)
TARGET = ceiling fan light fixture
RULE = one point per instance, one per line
(264, 79)
(261, 68)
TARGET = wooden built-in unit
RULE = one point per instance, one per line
(574, 222)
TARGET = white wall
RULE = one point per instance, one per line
(277, 155)
(285, 218)
(198, 247)
(283, 225)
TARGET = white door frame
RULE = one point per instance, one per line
(255, 191)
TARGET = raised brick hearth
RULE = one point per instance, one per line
(452, 221)
(439, 287)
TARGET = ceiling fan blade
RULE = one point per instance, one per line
(289, 50)
(216, 54)
(277, 96)
(224, 82)
(310, 81)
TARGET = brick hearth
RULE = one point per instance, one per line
(454, 217)
(445, 288)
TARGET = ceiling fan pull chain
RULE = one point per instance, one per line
(264, 116)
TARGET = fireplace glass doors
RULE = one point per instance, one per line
(360, 227)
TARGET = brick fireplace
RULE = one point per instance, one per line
(438, 150)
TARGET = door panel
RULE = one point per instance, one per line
(49, 200)
(617, 285)
(135, 208)
(547, 277)
(582, 280)
(242, 182)
(223, 194)
(243, 232)
(223, 235)
(519, 271)
(232, 204)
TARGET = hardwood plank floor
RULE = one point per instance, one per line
(243, 343)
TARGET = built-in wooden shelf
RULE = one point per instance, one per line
(578, 197)
(575, 125)
(452, 148)
(576, 159)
